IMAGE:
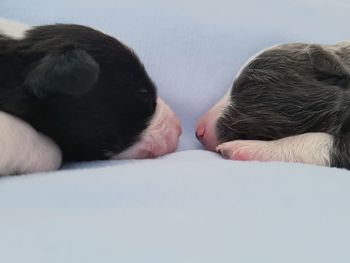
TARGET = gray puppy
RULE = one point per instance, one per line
(288, 103)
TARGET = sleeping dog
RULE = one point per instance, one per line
(74, 93)
(288, 103)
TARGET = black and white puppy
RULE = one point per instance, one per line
(288, 103)
(74, 90)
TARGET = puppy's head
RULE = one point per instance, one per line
(88, 92)
(285, 90)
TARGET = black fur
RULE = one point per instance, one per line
(293, 89)
(70, 71)
(84, 89)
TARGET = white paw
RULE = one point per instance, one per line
(311, 148)
(45, 156)
(247, 150)
(24, 150)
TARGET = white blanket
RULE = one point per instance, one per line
(190, 206)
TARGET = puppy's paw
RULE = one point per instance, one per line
(310, 148)
(45, 156)
(247, 150)
(24, 150)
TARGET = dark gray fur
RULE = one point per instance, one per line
(293, 89)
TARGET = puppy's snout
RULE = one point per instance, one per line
(200, 133)
(160, 137)
(206, 132)
(164, 130)
(206, 127)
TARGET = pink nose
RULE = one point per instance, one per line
(200, 134)
(206, 134)
(206, 128)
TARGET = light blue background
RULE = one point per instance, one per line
(190, 206)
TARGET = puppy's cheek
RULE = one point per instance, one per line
(159, 138)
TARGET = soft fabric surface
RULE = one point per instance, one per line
(190, 206)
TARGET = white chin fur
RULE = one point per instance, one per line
(24, 150)
(13, 29)
(159, 138)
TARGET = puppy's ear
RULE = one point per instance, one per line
(328, 66)
(70, 72)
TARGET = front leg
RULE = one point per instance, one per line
(23, 149)
(310, 148)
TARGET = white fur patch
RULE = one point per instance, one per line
(24, 150)
(12, 28)
(310, 148)
(160, 137)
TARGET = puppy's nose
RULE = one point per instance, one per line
(207, 136)
(200, 134)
